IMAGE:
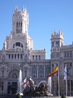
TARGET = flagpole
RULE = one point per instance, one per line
(58, 82)
(66, 80)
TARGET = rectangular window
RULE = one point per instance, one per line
(57, 43)
(68, 72)
(65, 55)
(70, 63)
(68, 85)
(18, 44)
(41, 74)
(52, 67)
(33, 57)
(39, 57)
(9, 56)
(15, 56)
(34, 73)
(52, 44)
(12, 56)
(2, 86)
(18, 56)
(36, 57)
(25, 73)
(21, 56)
(46, 73)
(70, 54)
(71, 85)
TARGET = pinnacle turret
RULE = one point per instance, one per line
(16, 8)
(23, 9)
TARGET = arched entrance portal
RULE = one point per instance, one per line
(13, 81)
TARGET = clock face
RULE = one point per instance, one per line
(19, 17)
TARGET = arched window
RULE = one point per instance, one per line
(18, 44)
(21, 24)
(33, 57)
(14, 75)
(17, 24)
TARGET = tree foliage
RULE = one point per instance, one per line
(63, 96)
(18, 96)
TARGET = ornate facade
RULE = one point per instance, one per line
(18, 53)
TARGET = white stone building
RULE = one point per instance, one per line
(18, 53)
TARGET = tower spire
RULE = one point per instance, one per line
(16, 8)
(23, 9)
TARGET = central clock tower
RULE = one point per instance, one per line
(19, 38)
(20, 21)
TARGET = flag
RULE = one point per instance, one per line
(53, 72)
(26, 84)
(24, 81)
(65, 73)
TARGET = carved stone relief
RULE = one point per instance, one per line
(3, 57)
(52, 55)
(13, 74)
(57, 55)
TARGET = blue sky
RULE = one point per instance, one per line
(44, 17)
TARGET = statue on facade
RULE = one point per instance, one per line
(4, 45)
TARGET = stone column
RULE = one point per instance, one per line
(13, 56)
(28, 72)
(10, 56)
(11, 89)
(5, 86)
(70, 87)
(44, 71)
(37, 71)
(16, 56)
(19, 56)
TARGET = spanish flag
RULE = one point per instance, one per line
(27, 83)
(53, 72)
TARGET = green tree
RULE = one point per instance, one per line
(18, 96)
(63, 96)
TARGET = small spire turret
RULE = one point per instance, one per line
(59, 32)
(51, 33)
(23, 9)
(16, 8)
(54, 32)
